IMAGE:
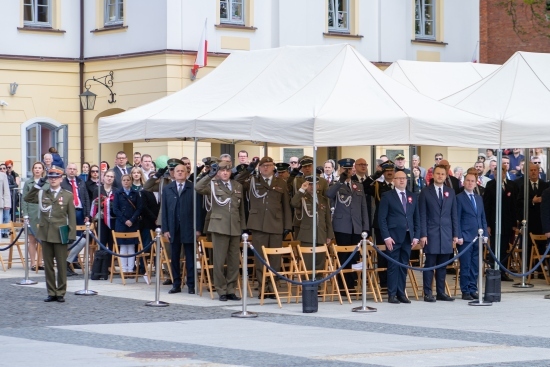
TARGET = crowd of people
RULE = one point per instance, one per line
(400, 207)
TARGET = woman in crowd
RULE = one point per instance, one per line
(93, 182)
(137, 179)
(419, 182)
(14, 181)
(38, 171)
(104, 205)
(48, 161)
(127, 207)
(85, 171)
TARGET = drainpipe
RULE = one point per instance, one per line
(81, 77)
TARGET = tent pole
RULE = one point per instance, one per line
(99, 195)
(265, 149)
(314, 210)
(195, 219)
(411, 175)
(373, 159)
(497, 229)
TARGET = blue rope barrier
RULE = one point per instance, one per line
(14, 241)
(543, 257)
(119, 255)
(431, 268)
(315, 282)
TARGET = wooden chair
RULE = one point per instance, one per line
(92, 248)
(455, 265)
(372, 262)
(164, 259)
(291, 273)
(13, 228)
(251, 270)
(144, 256)
(412, 281)
(536, 256)
(514, 262)
(321, 250)
(207, 267)
(356, 291)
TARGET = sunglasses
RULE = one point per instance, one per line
(8, 167)
(536, 162)
(293, 162)
(94, 171)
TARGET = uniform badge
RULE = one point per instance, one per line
(61, 200)
(354, 186)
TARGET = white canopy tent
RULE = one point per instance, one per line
(517, 95)
(438, 80)
(308, 96)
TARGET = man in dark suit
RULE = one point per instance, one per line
(471, 217)
(399, 223)
(120, 168)
(438, 231)
(536, 188)
(177, 226)
(450, 181)
(508, 214)
(545, 212)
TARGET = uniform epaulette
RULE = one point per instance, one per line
(70, 192)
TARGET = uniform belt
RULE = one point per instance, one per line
(78, 208)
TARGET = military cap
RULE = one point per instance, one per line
(281, 167)
(225, 165)
(55, 172)
(387, 166)
(241, 167)
(346, 162)
(265, 160)
(310, 179)
(306, 160)
(173, 162)
(209, 160)
(399, 156)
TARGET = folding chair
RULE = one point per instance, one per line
(413, 282)
(144, 256)
(536, 256)
(455, 265)
(356, 291)
(207, 267)
(164, 259)
(92, 247)
(321, 250)
(291, 273)
(11, 226)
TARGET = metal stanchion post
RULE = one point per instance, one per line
(86, 291)
(480, 301)
(156, 302)
(523, 257)
(364, 307)
(244, 313)
(26, 281)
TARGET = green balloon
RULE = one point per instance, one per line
(162, 161)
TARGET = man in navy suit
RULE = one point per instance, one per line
(471, 217)
(545, 212)
(438, 231)
(177, 226)
(399, 223)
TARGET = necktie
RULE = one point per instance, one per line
(180, 188)
(362, 178)
(391, 186)
(267, 181)
(440, 196)
(75, 193)
(472, 199)
(124, 170)
(227, 185)
(404, 202)
(535, 187)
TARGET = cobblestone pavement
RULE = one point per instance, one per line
(120, 331)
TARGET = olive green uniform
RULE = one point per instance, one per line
(55, 211)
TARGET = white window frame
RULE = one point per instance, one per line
(35, 7)
(333, 13)
(118, 19)
(420, 19)
(229, 6)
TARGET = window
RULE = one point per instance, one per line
(232, 11)
(37, 13)
(40, 137)
(338, 15)
(114, 12)
(424, 20)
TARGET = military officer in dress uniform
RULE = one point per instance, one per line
(282, 170)
(56, 210)
(350, 216)
(227, 221)
(376, 189)
(270, 217)
(303, 202)
(295, 182)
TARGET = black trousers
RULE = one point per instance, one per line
(428, 276)
(176, 246)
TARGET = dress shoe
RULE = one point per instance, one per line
(167, 282)
(174, 290)
(267, 296)
(191, 290)
(505, 278)
(393, 299)
(76, 266)
(50, 299)
(444, 297)
(233, 297)
(429, 298)
(467, 297)
(70, 272)
(223, 298)
(60, 299)
(403, 299)
(475, 295)
(40, 268)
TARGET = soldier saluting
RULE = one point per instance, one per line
(56, 212)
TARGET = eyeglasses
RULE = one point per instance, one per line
(439, 159)
(3, 168)
(8, 167)
(536, 162)
(94, 171)
(293, 162)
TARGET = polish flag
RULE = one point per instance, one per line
(202, 54)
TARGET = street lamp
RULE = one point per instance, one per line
(87, 98)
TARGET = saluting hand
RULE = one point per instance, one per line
(304, 185)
